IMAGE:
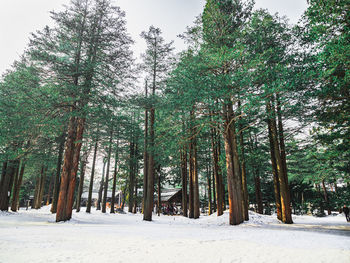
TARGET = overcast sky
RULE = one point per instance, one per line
(18, 18)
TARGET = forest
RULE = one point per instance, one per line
(253, 115)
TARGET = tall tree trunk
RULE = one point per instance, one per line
(66, 169)
(3, 174)
(15, 186)
(232, 166)
(36, 189)
(38, 197)
(74, 167)
(115, 176)
(107, 172)
(83, 162)
(275, 174)
(210, 204)
(190, 180)
(326, 199)
(284, 189)
(100, 191)
(217, 172)
(145, 157)
(147, 215)
(214, 192)
(258, 194)
(194, 168)
(91, 185)
(134, 209)
(282, 148)
(15, 198)
(131, 174)
(42, 188)
(255, 168)
(183, 157)
(49, 191)
(58, 172)
(159, 191)
(245, 204)
(196, 201)
(5, 191)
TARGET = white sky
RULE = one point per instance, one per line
(18, 18)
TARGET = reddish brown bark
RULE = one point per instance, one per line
(217, 172)
(48, 198)
(214, 192)
(210, 203)
(145, 157)
(58, 172)
(8, 172)
(88, 206)
(245, 201)
(232, 166)
(61, 213)
(284, 189)
(275, 174)
(183, 157)
(15, 198)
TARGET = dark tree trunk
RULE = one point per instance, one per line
(190, 179)
(83, 162)
(326, 199)
(196, 202)
(183, 154)
(258, 194)
(159, 191)
(36, 189)
(147, 215)
(275, 174)
(210, 203)
(38, 197)
(245, 203)
(104, 203)
(15, 198)
(214, 192)
(134, 209)
(49, 191)
(284, 189)
(257, 184)
(3, 173)
(91, 185)
(194, 199)
(9, 170)
(42, 188)
(58, 172)
(115, 177)
(233, 167)
(145, 158)
(282, 149)
(14, 187)
(100, 191)
(131, 174)
(217, 172)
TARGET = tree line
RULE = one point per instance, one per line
(253, 114)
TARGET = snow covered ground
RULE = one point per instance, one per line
(33, 236)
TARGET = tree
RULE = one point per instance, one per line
(156, 62)
(88, 44)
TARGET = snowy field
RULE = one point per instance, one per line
(33, 236)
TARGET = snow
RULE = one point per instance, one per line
(33, 236)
